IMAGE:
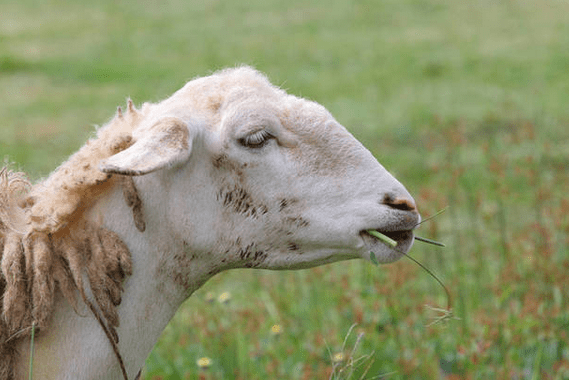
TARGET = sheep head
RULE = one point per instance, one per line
(250, 176)
(229, 172)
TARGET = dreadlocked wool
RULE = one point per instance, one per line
(46, 244)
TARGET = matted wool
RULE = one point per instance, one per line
(47, 245)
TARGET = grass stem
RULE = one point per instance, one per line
(425, 240)
(386, 239)
(431, 217)
(449, 298)
(31, 374)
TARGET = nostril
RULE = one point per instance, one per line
(399, 203)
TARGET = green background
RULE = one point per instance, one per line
(466, 102)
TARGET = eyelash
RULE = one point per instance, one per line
(256, 140)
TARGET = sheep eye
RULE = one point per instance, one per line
(255, 140)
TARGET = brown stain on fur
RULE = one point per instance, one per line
(239, 201)
(233, 194)
(175, 133)
(133, 201)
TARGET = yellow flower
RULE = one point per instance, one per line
(276, 330)
(204, 363)
(224, 297)
(338, 357)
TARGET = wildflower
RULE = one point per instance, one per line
(204, 363)
(338, 357)
(209, 297)
(276, 330)
(224, 297)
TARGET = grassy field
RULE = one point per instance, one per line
(467, 103)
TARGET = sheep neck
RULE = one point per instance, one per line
(149, 301)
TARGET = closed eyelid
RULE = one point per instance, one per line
(256, 139)
(284, 138)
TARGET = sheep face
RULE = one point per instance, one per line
(250, 176)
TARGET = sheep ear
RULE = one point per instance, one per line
(165, 144)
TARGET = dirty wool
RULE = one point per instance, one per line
(47, 246)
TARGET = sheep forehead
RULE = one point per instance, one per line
(245, 90)
(234, 91)
(237, 98)
(209, 94)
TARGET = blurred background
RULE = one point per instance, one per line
(466, 102)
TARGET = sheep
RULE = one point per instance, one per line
(228, 172)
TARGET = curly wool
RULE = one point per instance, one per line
(46, 245)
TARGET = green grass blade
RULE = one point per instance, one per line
(32, 351)
(449, 298)
(432, 216)
(385, 239)
(373, 258)
(425, 240)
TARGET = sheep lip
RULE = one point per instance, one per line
(398, 236)
(404, 239)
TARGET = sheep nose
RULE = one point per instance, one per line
(403, 203)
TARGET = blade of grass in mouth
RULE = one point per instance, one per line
(386, 239)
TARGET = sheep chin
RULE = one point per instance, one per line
(385, 254)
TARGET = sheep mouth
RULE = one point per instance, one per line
(403, 238)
